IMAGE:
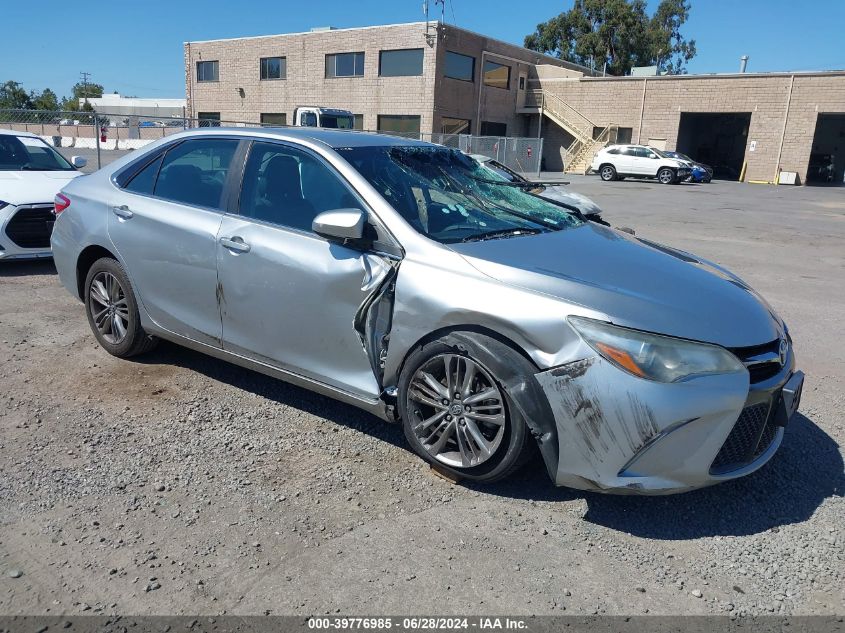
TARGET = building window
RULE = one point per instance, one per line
(459, 66)
(345, 65)
(208, 71)
(491, 128)
(358, 123)
(209, 119)
(401, 63)
(274, 68)
(497, 75)
(274, 118)
(449, 125)
(400, 124)
(522, 82)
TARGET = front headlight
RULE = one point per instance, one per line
(654, 357)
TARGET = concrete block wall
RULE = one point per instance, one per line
(476, 101)
(652, 107)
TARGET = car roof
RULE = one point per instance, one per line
(335, 139)
(6, 132)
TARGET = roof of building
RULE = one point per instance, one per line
(333, 138)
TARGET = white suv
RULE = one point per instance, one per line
(615, 162)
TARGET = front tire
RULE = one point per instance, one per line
(666, 176)
(113, 312)
(607, 173)
(455, 412)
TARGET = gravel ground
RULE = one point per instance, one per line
(178, 484)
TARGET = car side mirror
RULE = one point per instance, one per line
(78, 161)
(340, 224)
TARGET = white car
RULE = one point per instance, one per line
(616, 162)
(547, 191)
(31, 174)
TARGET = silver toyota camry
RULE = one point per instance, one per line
(398, 276)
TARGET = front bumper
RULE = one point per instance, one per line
(622, 434)
(17, 231)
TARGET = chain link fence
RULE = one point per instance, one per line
(105, 132)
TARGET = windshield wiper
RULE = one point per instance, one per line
(493, 235)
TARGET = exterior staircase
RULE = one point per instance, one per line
(578, 157)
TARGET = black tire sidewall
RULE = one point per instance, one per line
(516, 434)
(134, 332)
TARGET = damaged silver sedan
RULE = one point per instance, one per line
(397, 276)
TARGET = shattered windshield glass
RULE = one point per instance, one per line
(449, 197)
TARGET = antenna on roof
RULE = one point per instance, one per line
(430, 37)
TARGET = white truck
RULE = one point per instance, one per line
(312, 116)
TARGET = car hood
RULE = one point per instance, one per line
(636, 283)
(557, 193)
(33, 187)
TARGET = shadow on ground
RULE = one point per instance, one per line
(26, 267)
(807, 469)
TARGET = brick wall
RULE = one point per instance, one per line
(306, 83)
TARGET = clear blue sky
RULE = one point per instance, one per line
(136, 48)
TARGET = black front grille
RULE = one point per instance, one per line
(31, 228)
(759, 372)
(753, 433)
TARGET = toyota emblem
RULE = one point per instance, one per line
(782, 351)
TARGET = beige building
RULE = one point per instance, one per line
(431, 77)
(421, 76)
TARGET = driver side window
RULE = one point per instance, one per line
(289, 187)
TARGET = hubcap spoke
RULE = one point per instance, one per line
(487, 394)
(99, 293)
(436, 385)
(498, 419)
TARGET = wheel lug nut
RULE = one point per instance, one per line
(444, 401)
(448, 418)
(468, 408)
(457, 396)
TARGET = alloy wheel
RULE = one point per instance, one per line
(109, 308)
(458, 410)
(607, 173)
(666, 176)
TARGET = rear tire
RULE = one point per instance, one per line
(113, 311)
(666, 176)
(607, 173)
(487, 440)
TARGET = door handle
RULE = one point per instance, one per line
(122, 212)
(236, 244)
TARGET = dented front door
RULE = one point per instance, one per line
(290, 299)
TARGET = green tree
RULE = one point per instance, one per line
(618, 33)
(47, 100)
(12, 95)
(79, 92)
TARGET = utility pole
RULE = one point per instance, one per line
(84, 77)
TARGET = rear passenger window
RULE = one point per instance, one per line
(194, 172)
(144, 181)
